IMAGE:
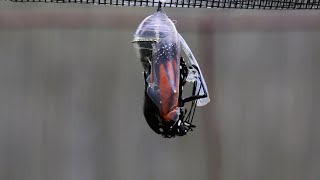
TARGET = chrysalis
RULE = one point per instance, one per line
(158, 46)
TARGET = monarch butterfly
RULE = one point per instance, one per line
(158, 46)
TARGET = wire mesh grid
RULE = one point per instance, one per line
(238, 4)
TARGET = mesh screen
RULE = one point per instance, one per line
(239, 4)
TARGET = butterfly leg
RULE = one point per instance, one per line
(195, 95)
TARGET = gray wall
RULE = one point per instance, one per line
(71, 93)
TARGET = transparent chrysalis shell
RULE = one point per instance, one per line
(158, 45)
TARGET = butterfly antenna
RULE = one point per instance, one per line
(193, 107)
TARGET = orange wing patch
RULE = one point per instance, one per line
(168, 98)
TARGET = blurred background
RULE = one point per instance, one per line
(71, 95)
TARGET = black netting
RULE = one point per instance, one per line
(239, 4)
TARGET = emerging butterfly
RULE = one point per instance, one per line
(158, 45)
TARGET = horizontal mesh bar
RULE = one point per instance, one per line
(238, 4)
